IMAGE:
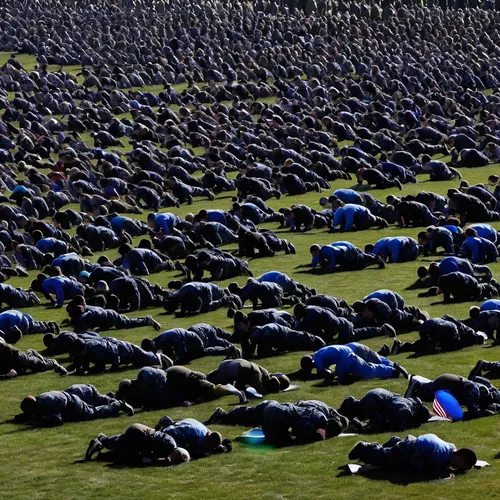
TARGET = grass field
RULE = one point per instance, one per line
(46, 463)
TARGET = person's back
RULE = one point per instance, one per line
(433, 452)
(188, 433)
(329, 356)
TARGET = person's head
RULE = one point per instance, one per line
(333, 428)
(493, 180)
(423, 237)
(191, 263)
(211, 441)
(124, 249)
(179, 456)
(359, 306)
(175, 284)
(48, 258)
(37, 235)
(315, 250)
(463, 459)
(84, 277)
(474, 311)
(307, 362)
(422, 414)
(14, 335)
(28, 404)
(299, 311)
(284, 381)
(470, 232)
(241, 322)
(101, 287)
(36, 285)
(425, 159)
(234, 288)
(463, 186)
(272, 385)
(48, 339)
(422, 272)
(75, 311)
(336, 204)
(148, 345)
(151, 220)
(369, 247)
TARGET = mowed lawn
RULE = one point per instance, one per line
(47, 463)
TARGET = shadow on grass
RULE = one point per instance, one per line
(397, 478)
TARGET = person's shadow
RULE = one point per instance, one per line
(394, 477)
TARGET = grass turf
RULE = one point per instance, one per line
(46, 463)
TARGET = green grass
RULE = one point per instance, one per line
(44, 463)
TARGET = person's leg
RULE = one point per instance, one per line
(126, 322)
(298, 341)
(357, 366)
(89, 394)
(141, 358)
(31, 360)
(246, 416)
(370, 332)
(43, 327)
(81, 411)
(423, 389)
(365, 353)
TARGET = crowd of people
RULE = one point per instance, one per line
(278, 99)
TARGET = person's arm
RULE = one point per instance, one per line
(135, 299)
(337, 219)
(142, 269)
(59, 295)
(349, 221)
(315, 261)
(331, 263)
(395, 249)
(55, 420)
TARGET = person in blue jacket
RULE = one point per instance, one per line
(62, 287)
(163, 223)
(349, 217)
(71, 264)
(452, 265)
(349, 364)
(49, 245)
(17, 322)
(396, 172)
(395, 249)
(424, 454)
(479, 250)
(289, 286)
(485, 231)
